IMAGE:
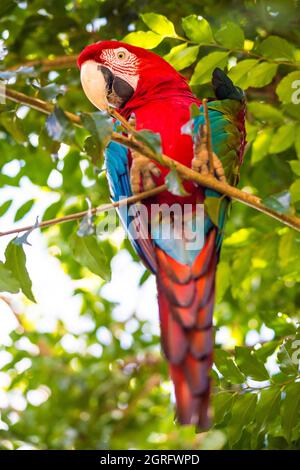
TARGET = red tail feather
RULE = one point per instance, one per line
(186, 300)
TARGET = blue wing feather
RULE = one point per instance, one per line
(116, 160)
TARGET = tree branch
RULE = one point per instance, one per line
(93, 211)
(60, 62)
(186, 173)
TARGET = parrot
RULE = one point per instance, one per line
(149, 93)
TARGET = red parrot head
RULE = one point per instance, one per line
(113, 72)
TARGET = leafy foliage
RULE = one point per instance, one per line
(87, 390)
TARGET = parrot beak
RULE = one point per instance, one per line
(103, 88)
(94, 84)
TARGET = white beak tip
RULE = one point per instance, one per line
(94, 84)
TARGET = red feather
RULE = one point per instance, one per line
(186, 329)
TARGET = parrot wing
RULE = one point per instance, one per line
(117, 165)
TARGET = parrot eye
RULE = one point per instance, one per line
(121, 55)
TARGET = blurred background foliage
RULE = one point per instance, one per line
(91, 389)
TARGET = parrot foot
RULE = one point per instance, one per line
(201, 161)
(142, 169)
(142, 172)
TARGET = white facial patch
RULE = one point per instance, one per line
(123, 64)
(93, 84)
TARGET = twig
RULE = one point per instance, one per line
(35, 103)
(186, 173)
(113, 112)
(93, 211)
(45, 65)
(10, 305)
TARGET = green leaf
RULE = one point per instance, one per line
(151, 139)
(241, 72)
(100, 125)
(13, 125)
(295, 191)
(290, 409)
(261, 75)
(8, 283)
(23, 70)
(88, 253)
(145, 39)
(212, 206)
(214, 439)
(144, 277)
(23, 210)
(287, 358)
(250, 365)
(268, 406)
(280, 202)
(197, 29)
(288, 89)
(227, 367)
(230, 35)
(93, 150)
(15, 261)
(53, 210)
(5, 206)
(295, 166)
(261, 145)
(250, 73)
(222, 404)
(58, 125)
(222, 280)
(195, 111)
(206, 65)
(277, 48)
(174, 184)
(265, 112)
(51, 91)
(241, 415)
(159, 24)
(283, 138)
(182, 56)
(266, 350)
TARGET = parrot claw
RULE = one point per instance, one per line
(142, 169)
(201, 161)
(142, 172)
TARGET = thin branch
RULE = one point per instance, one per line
(35, 103)
(186, 173)
(93, 211)
(60, 62)
(10, 304)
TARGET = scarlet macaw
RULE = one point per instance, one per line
(142, 84)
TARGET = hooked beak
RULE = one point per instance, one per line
(102, 87)
(94, 84)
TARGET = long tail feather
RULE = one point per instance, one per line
(186, 300)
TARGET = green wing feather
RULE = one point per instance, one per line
(226, 119)
(227, 123)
